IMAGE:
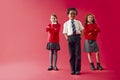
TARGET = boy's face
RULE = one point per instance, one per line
(72, 14)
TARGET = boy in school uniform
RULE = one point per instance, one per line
(72, 31)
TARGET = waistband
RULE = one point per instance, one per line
(74, 35)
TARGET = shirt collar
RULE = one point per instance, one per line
(54, 23)
(71, 20)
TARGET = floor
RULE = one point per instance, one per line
(36, 69)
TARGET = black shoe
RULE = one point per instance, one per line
(77, 73)
(50, 68)
(55, 68)
(92, 67)
(72, 72)
(99, 67)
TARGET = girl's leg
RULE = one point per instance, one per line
(55, 60)
(92, 67)
(97, 57)
(51, 60)
(55, 57)
(90, 58)
(51, 57)
(98, 61)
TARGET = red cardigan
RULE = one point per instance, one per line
(53, 30)
(91, 31)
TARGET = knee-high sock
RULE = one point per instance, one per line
(51, 57)
(55, 57)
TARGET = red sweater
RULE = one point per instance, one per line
(53, 30)
(91, 31)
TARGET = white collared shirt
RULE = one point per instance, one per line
(68, 27)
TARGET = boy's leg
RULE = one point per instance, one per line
(77, 55)
(72, 55)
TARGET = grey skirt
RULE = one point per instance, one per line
(90, 46)
(53, 46)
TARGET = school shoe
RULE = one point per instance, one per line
(50, 68)
(72, 72)
(99, 67)
(92, 67)
(55, 68)
(77, 73)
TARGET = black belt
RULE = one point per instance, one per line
(74, 35)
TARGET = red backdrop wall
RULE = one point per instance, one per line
(23, 22)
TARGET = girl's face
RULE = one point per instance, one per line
(53, 19)
(72, 14)
(90, 18)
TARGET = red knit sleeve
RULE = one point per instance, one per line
(96, 30)
(48, 28)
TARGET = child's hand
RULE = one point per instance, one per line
(54, 28)
(48, 26)
(89, 33)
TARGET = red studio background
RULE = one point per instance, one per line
(23, 54)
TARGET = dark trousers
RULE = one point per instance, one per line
(74, 45)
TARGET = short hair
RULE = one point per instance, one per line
(70, 9)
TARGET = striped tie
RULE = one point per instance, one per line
(73, 27)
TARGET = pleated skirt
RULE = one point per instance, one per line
(53, 46)
(90, 46)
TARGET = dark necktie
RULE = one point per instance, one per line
(73, 27)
